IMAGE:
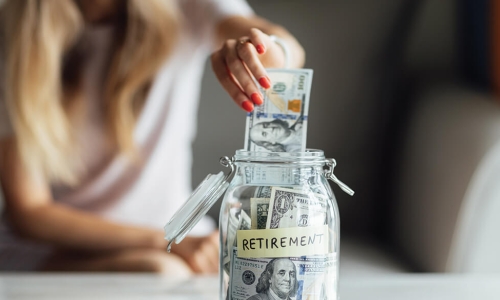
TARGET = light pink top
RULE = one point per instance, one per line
(147, 195)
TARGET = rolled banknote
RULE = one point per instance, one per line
(238, 220)
(295, 208)
(258, 212)
(280, 123)
(306, 277)
(263, 191)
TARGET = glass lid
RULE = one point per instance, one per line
(198, 204)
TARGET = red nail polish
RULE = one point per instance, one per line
(247, 105)
(256, 98)
(260, 48)
(265, 82)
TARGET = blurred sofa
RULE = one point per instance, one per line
(446, 194)
(419, 146)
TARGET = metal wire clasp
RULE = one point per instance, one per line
(228, 163)
(330, 165)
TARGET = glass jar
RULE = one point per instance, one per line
(279, 225)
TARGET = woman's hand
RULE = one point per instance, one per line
(200, 253)
(241, 60)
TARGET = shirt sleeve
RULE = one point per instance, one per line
(5, 124)
(202, 16)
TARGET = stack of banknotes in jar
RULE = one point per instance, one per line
(279, 125)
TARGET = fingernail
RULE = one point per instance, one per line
(265, 82)
(256, 98)
(260, 48)
(247, 105)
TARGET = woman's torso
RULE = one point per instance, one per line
(149, 193)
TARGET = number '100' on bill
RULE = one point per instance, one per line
(280, 123)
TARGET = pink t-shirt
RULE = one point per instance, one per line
(149, 194)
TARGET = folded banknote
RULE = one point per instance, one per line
(280, 123)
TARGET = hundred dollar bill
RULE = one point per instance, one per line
(294, 208)
(238, 220)
(259, 208)
(280, 123)
(317, 276)
(306, 277)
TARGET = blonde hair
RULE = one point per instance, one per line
(39, 34)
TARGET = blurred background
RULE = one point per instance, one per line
(403, 98)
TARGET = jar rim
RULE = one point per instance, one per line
(308, 156)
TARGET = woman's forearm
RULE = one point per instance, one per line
(33, 213)
(68, 228)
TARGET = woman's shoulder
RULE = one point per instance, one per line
(203, 15)
(200, 18)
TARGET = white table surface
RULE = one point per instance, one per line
(125, 287)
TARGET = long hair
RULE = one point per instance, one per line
(41, 96)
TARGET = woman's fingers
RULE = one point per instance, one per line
(249, 58)
(211, 250)
(205, 259)
(229, 83)
(236, 66)
(260, 41)
(199, 263)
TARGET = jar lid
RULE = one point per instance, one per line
(197, 205)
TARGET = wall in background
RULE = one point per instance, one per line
(346, 44)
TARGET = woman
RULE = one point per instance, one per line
(91, 163)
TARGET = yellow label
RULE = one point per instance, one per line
(283, 242)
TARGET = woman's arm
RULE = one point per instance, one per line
(238, 27)
(246, 50)
(33, 214)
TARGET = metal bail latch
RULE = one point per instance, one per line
(228, 163)
(330, 165)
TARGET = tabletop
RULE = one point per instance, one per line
(21, 286)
